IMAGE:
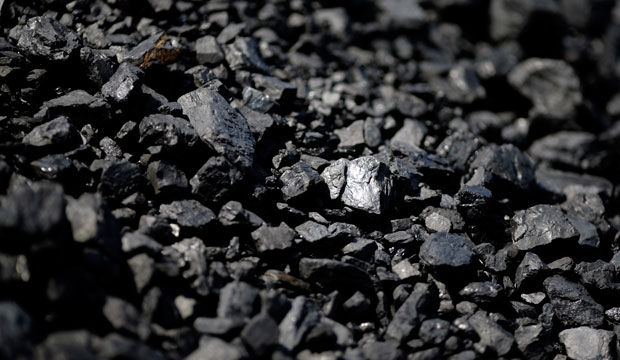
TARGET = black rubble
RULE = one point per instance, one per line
(369, 179)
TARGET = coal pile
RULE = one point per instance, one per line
(381, 180)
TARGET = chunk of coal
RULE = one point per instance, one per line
(191, 256)
(598, 274)
(142, 267)
(572, 304)
(120, 180)
(257, 101)
(541, 225)
(335, 176)
(98, 65)
(217, 326)
(243, 54)
(445, 250)
(576, 150)
(482, 292)
(16, 326)
(168, 131)
(275, 88)
(332, 274)
(123, 84)
(491, 333)
(298, 180)
(312, 232)
(46, 38)
(237, 299)
(220, 126)
(588, 234)
(213, 348)
(473, 201)
(502, 167)
(352, 136)
(551, 85)
(458, 149)
(137, 242)
(189, 214)
(208, 51)
(421, 303)
(122, 315)
(233, 214)
(261, 334)
(53, 167)
(78, 106)
(360, 248)
(381, 350)
(31, 210)
(166, 178)
(584, 342)
(91, 221)
(273, 239)
(529, 269)
(216, 179)
(368, 185)
(302, 316)
(56, 135)
(161, 5)
(434, 331)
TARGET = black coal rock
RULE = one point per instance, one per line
(220, 126)
(541, 225)
(46, 38)
(572, 304)
(445, 250)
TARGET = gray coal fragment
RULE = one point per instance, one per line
(92, 221)
(123, 84)
(368, 186)
(502, 167)
(491, 334)
(298, 180)
(98, 65)
(237, 300)
(529, 269)
(258, 101)
(157, 49)
(302, 316)
(585, 343)
(352, 136)
(275, 88)
(220, 126)
(166, 178)
(233, 214)
(272, 239)
(208, 51)
(541, 225)
(78, 106)
(572, 304)
(482, 292)
(312, 232)
(120, 180)
(551, 85)
(335, 176)
(189, 214)
(422, 302)
(46, 38)
(213, 348)
(216, 180)
(243, 54)
(167, 130)
(445, 250)
(55, 135)
(261, 334)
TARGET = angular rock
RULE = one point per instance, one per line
(275, 88)
(56, 135)
(91, 221)
(46, 38)
(208, 51)
(551, 85)
(142, 267)
(458, 148)
(491, 334)
(352, 136)
(233, 214)
(166, 178)
(78, 106)
(368, 186)
(98, 65)
(482, 292)
(123, 84)
(530, 268)
(189, 214)
(302, 316)
(572, 304)
(220, 126)
(541, 225)
(434, 331)
(212, 348)
(261, 334)
(584, 343)
(258, 101)
(243, 54)
(216, 180)
(237, 300)
(312, 232)
(598, 274)
(120, 180)
(157, 49)
(503, 168)
(191, 256)
(473, 201)
(167, 130)
(445, 250)
(335, 176)
(273, 239)
(422, 302)
(298, 180)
